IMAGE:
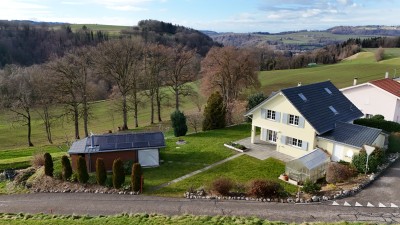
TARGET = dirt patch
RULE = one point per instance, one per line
(331, 189)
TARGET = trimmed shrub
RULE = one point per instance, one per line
(375, 159)
(48, 164)
(311, 187)
(66, 168)
(214, 112)
(254, 100)
(82, 172)
(378, 117)
(222, 185)
(388, 126)
(118, 176)
(394, 143)
(136, 177)
(178, 121)
(338, 172)
(265, 189)
(101, 173)
(128, 167)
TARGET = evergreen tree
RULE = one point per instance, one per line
(66, 167)
(214, 113)
(48, 164)
(101, 173)
(254, 100)
(178, 120)
(136, 177)
(83, 175)
(118, 177)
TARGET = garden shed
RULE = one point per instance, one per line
(143, 148)
(311, 166)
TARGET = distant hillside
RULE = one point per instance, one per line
(303, 40)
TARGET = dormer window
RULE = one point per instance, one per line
(328, 91)
(333, 110)
(302, 97)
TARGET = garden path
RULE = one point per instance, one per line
(195, 172)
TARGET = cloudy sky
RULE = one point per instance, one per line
(217, 15)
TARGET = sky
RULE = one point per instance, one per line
(217, 15)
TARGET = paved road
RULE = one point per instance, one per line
(103, 204)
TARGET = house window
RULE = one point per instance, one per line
(333, 110)
(271, 136)
(295, 142)
(368, 116)
(294, 120)
(328, 91)
(271, 114)
(303, 97)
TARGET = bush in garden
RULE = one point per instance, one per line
(66, 167)
(311, 187)
(118, 176)
(101, 173)
(222, 185)
(214, 112)
(388, 126)
(128, 167)
(48, 164)
(136, 177)
(37, 159)
(178, 121)
(265, 189)
(338, 172)
(375, 159)
(82, 172)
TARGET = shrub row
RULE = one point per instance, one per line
(388, 126)
(375, 159)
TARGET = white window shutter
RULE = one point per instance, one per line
(284, 118)
(304, 145)
(277, 116)
(301, 122)
(263, 113)
(283, 139)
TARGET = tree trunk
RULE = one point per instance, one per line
(124, 113)
(47, 124)
(28, 117)
(135, 108)
(158, 100)
(176, 99)
(76, 121)
(152, 108)
(85, 115)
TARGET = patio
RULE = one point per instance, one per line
(263, 150)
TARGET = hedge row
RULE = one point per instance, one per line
(388, 126)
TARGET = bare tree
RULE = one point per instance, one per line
(119, 61)
(379, 54)
(229, 70)
(182, 68)
(17, 94)
(195, 120)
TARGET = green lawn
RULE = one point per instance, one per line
(242, 170)
(389, 52)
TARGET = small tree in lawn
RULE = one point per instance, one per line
(66, 167)
(118, 177)
(48, 164)
(83, 175)
(214, 113)
(101, 173)
(178, 121)
(136, 177)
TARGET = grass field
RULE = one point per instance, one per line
(390, 53)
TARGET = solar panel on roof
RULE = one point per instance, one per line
(124, 145)
(141, 144)
(121, 138)
(110, 139)
(107, 146)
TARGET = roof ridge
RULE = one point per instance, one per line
(306, 85)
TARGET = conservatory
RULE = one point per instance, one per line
(311, 166)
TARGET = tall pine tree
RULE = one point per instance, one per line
(214, 113)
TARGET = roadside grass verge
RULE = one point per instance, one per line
(241, 169)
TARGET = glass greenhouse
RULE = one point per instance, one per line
(311, 166)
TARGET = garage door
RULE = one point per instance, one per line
(337, 154)
(148, 157)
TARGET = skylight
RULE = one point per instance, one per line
(329, 91)
(302, 97)
(333, 110)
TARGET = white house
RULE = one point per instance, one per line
(300, 119)
(376, 97)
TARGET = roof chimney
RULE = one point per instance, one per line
(387, 75)
(91, 140)
(355, 81)
(299, 84)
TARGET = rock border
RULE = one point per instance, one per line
(236, 149)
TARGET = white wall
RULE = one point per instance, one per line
(372, 100)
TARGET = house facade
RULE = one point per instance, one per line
(300, 119)
(376, 97)
(143, 148)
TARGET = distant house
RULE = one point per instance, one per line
(300, 119)
(137, 147)
(376, 97)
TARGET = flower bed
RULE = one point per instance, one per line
(236, 147)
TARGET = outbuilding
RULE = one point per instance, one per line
(143, 148)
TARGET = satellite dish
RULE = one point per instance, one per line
(369, 149)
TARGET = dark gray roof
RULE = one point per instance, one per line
(318, 103)
(352, 134)
(118, 142)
